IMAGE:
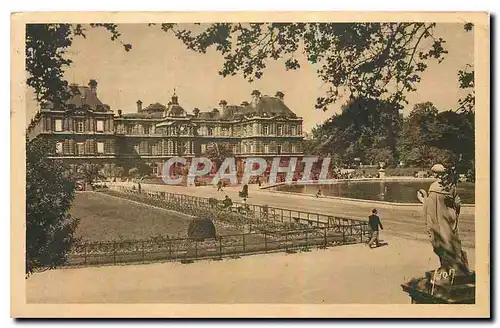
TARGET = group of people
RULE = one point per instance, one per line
(243, 193)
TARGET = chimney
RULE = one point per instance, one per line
(139, 105)
(280, 95)
(223, 104)
(120, 113)
(255, 97)
(93, 86)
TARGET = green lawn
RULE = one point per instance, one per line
(106, 218)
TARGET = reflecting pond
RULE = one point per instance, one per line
(389, 191)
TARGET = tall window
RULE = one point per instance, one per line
(100, 126)
(210, 131)
(154, 168)
(265, 130)
(80, 148)
(79, 126)
(279, 130)
(146, 129)
(59, 148)
(58, 125)
(155, 149)
(100, 147)
(266, 148)
(293, 130)
(278, 151)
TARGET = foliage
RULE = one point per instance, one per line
(218, 152)
(133, 172)
(118, 171)
(430, 137)
(201, 229)
(466, 80)
(367, 129)
(46, 57)
(50, 230)
(374, 132)
(379, 60)
(90, 172)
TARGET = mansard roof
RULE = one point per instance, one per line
(156, 107)
(83, 95)
(143, 114)
(271, 106)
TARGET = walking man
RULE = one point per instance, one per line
(375, 223)
(219, 186)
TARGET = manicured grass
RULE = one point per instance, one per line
(107, 218)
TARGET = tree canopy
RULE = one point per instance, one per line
(50, 229)
(374, 131)
(362, 60)
(46, 57)
(366, 129)
(368, 60)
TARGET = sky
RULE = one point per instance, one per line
(159, 63)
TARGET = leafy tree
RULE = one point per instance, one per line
(367, 129)
(466, 80)
(118, 171)
(379, 60)
(133, 172)
(50, 229)
(363, 59)
(430, 136)
(90, 172)
(46, 57)
(218, 152)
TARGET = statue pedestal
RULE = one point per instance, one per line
(381, 173)
(423, 291)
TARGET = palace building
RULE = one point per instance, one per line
(88, 131)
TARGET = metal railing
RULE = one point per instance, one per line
(252, 211)
(269, 229)
(186, 249)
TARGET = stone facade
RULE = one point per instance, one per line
(88, 131)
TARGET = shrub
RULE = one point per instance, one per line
(201, 229)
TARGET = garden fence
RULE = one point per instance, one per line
(267, 229)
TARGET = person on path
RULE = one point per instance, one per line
(318, 193)
(374, 222)
(227, 202)
(219, 186)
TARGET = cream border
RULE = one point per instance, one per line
(20, 309)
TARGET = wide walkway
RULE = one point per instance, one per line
(344, 274)
(404, 221)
